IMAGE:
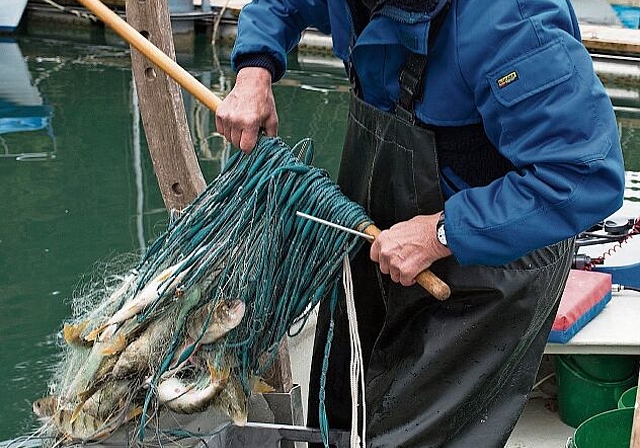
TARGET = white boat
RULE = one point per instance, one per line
(10, 14)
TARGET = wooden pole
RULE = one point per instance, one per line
(427, 279)
(161, 104)
(610, 39)
(142, 39)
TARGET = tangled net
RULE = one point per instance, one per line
(198, 321)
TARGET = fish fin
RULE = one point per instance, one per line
(165, 274)
(239, 418)
(262, 387)
(95, 333)
(88, 393)
(77, 411)
(73, 333)
(102, 333)
(133, 413)
(218, 374)
(225, 373)
(116, 346)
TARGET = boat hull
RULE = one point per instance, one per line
(10, 14)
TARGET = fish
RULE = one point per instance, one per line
(100, 361)
(111, 303)
(232, 401)
(106, 402)
(143, 351)
(45, 407)
(189, 398)
(83, 426)
(225, 316)
(86, 427)
(147, 296)
(222, 317)
(97, 365)
(189, 346)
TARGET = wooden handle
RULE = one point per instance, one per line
(153, 53)
(427, 279)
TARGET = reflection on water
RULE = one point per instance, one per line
(22, 108)
(626, 102)
(89, 193)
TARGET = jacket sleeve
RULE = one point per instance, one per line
(271, 28)
(545, 110)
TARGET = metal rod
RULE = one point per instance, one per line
(335, 226)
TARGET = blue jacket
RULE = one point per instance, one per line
(517, 66)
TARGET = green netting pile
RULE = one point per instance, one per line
(196, 323)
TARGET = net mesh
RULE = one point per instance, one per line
(196, 323)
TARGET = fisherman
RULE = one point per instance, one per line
(480, 137)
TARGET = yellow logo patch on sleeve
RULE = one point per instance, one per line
(507, 79)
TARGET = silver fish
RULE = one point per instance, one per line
(225, 316)
(189, 398)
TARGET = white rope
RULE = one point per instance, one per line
(356, 367)
(77, 13)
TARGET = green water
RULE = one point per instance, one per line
(81, 191)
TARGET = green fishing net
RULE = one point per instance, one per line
(198, 321)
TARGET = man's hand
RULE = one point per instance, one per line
(248, 109)
(408, 248)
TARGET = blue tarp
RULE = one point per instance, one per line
(628, 15)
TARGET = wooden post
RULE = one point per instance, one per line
(165, 123)
(162, 108)
(279, 375)
(635, 429)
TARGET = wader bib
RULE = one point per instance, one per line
(452, 374)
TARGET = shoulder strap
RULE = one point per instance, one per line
(413, 72)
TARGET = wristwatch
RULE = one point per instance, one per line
(440, 233)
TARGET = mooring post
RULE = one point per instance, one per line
(162, 109)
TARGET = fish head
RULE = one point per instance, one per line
(45, 407)
(234, 312)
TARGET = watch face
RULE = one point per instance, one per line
(442, 237)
